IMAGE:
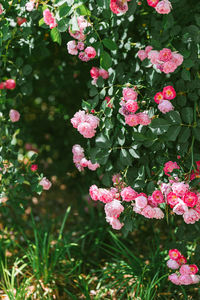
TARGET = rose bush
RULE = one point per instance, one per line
(145, 150)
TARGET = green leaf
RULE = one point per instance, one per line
(173, 117)
(125, 158)
(64, 10)
(134, 153)
(93, 91)
(56, 36)
(105, 60)
(196, 132)
(184, 135)
(84, 11)
(41, 22)
(86, 105)
(187, 114)
(102, 141)
(185, 74)
(159, 126)
(110, 44)
(173, 132)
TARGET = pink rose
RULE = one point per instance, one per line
(174, 278)
(165, 54)
(191, 216)
(129, 94)
(141, 202)
(132, 120)
(118, 6)
(169, 67)
(72, 47)
(143, 118)
(128, 194)
(177, 58)
(94, 192)
(91, 52)
(10, 84)
(172, 264)
(142, 54)
(165, 106)
(148, 212)
(185, 279)
(158, 213)
(46, 184)
(113, 209)
(131, 106)
(115, 223)
(163, 7)
(14, 115)
(152, 3)
(103, 73)
(169, 92)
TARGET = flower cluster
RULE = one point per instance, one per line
(73, 46)
(162, 7)
(82, 24)
(128, 109)
(80, 161)
(119, 6)
(169, 167)
(114, 197)
(186, 274)
(164, 60)
(96, 73)
(14, 115)
(163, 99)
(49, 19)
(9, 84)
(85, 123)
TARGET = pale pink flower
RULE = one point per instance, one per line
(185, 270)
(94, 192)
(105, 195)
(72, 47)
(113, 209)
(163, 7)
(143, 118)
(118, 6)
(115, 223)
(92, 166)
(80, 46)
(128, 194)
(83, 56)
(169, 67)
(180, 188)
(142, 54)
(86, 130)
(137, 210)
(30, 5)
(1, 9)
(191, 216)
(172, 264)
(141, 202)
(165, 188)
(165, 106)
(103, 73)
(174, 278)
(132, 120)
(84, 162)
(153, 55)
(185, 279)
(129, 94)
(14, 115)
(91, 52)
(195, 278)
(46, 184)
(148, 212)
(158, 213)
(148, 49)
(177, 58)
(180, 208)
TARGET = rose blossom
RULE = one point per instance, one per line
(169, 67)
(91, 52)
(80, 46)
(49, 18)
(185, 270)
(158, 196)
(46, 184)
(14, 115)
(163, 7)
(185, 279)
(180, 188)
(169, 167)
(158, 97)
(177, 58)
(148, 49)
(142, 54)
(34, 168)
(115, 223)
(158, 213)
(132, 120)
(113, 209)
(105, 195)
(172, 264)
(152, 3)
(143, 118)
(180, 208)
(193, 269)
(165, 54)
(72, 47)
(169, 92)
(94, 192)
(181, 260)
(172, 199)
(165, 106)
(195, 278)
(190, 199)
(30, 5)
(10, 84)
(174, 278)
(129, 94)
(128, 194)
(148, 212)
(191, 216)
(174, 254)
(141, 202)
(103, 73)
(118, 6)
(131, 106)
(153, 55)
